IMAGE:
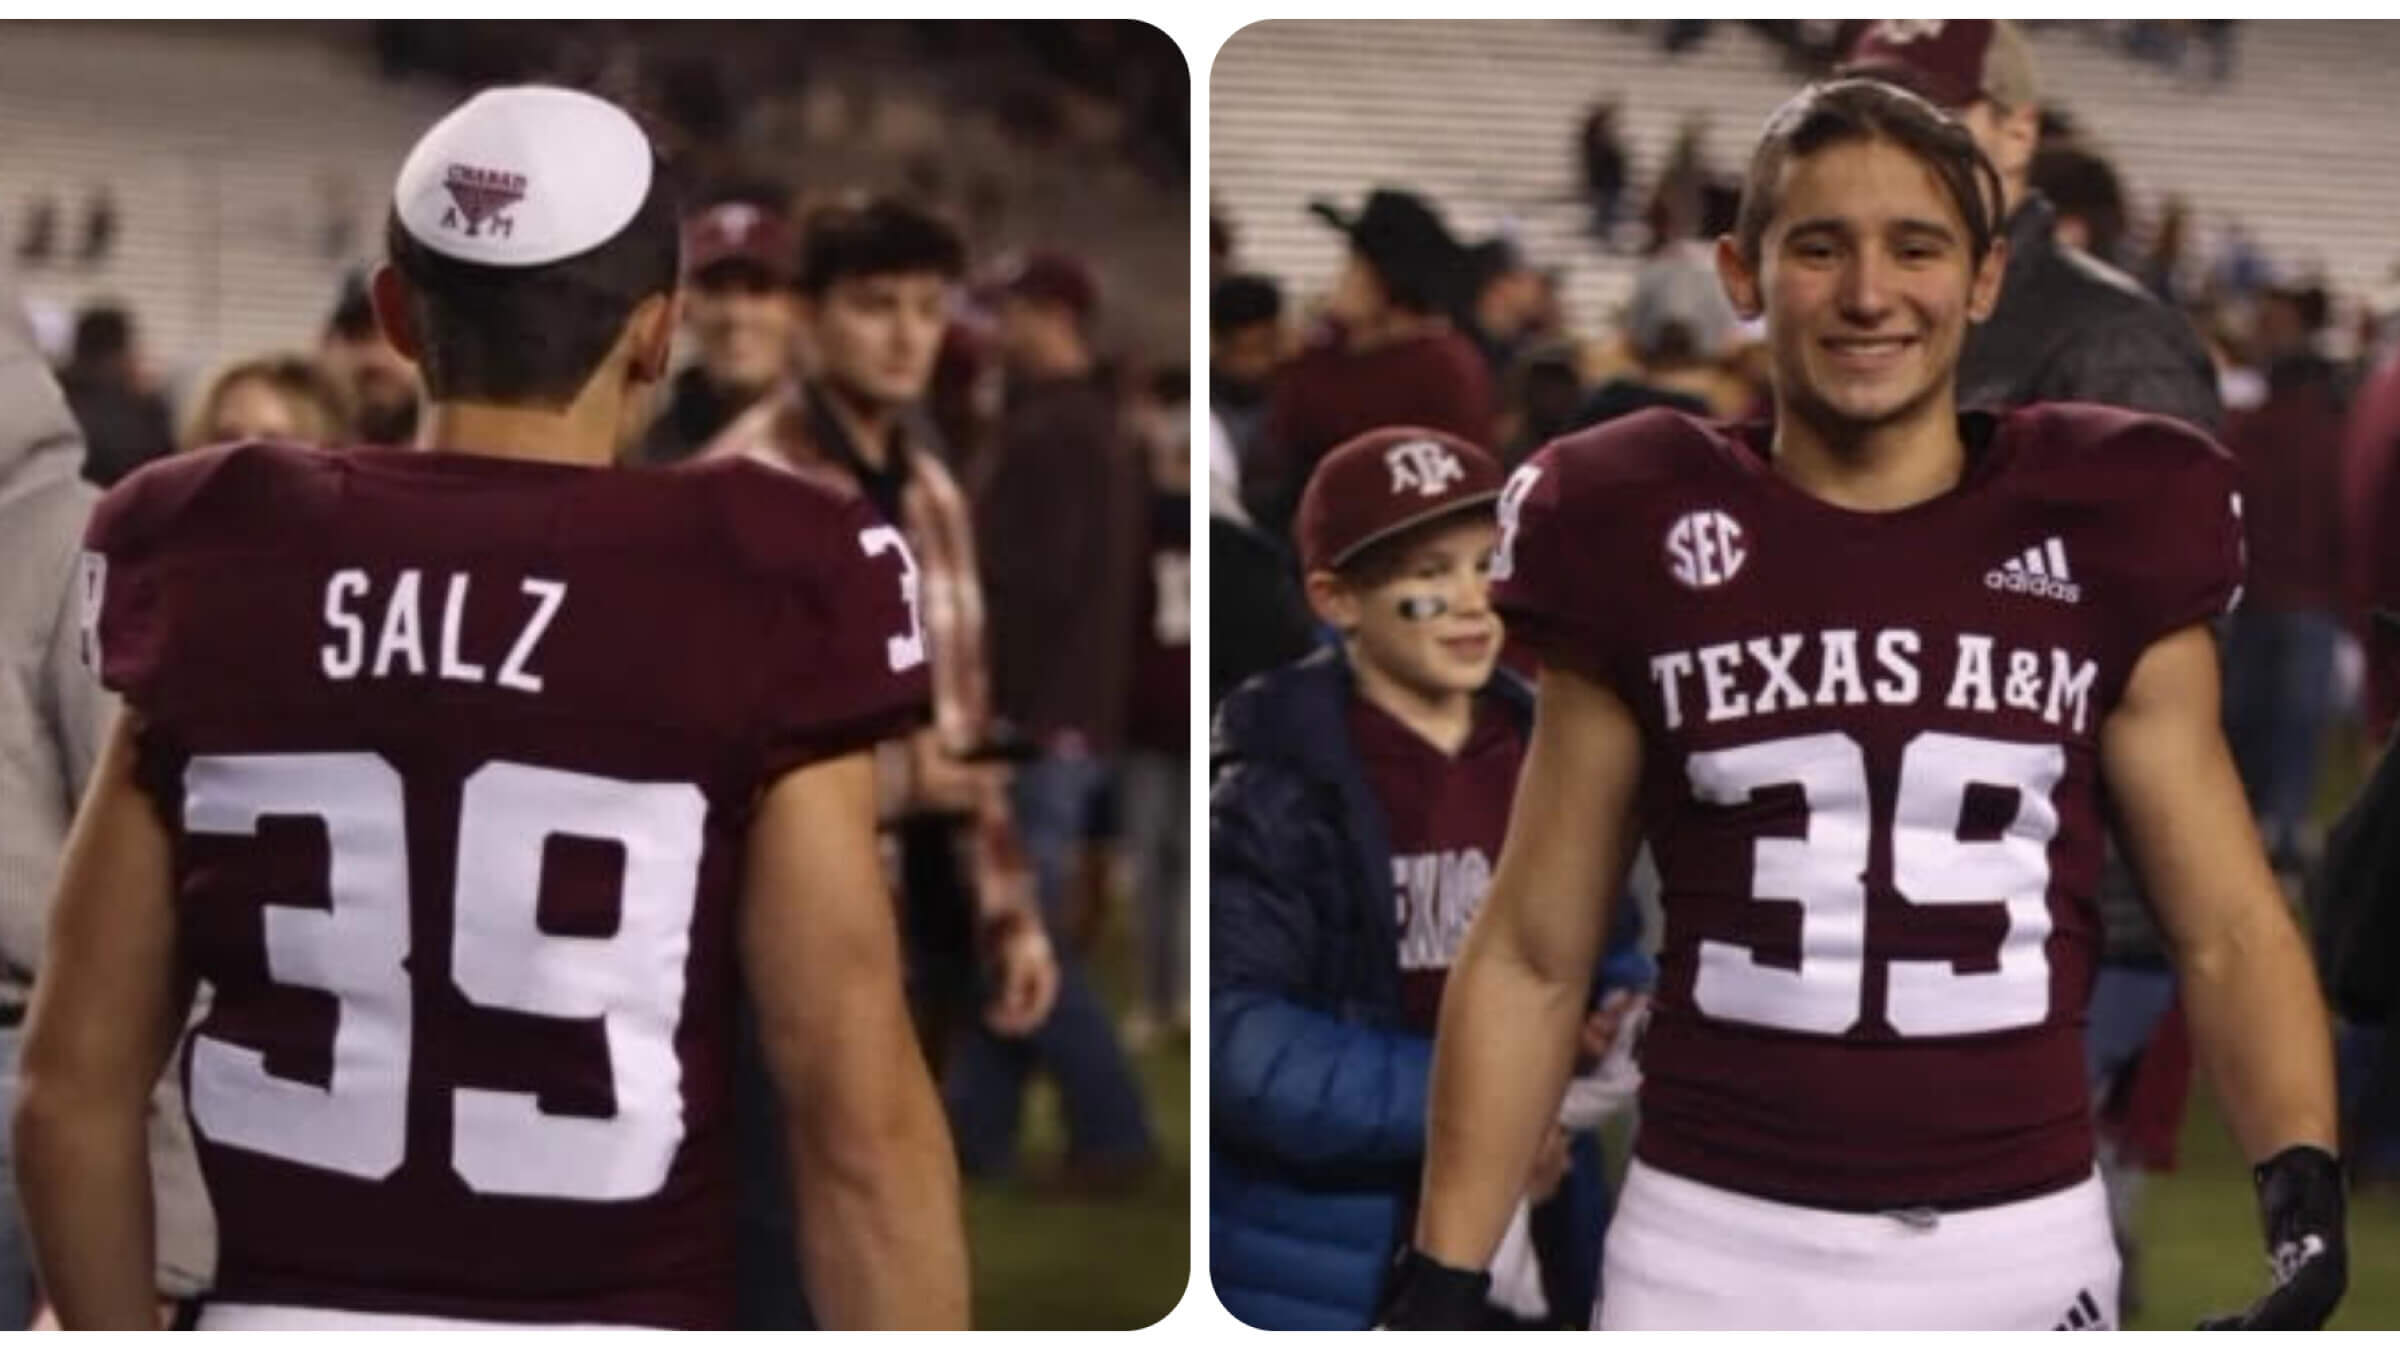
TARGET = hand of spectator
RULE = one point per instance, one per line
(1024, 974)
(945, 783)
(1550, 1164)
(1600, 1025)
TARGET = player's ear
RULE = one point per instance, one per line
(652, 329)
(387, 292)
(1984, 293)
(1332, 601)
(1739, 279)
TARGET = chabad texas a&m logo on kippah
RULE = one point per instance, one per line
(1427, 467)
(524, 176)
(478, 196)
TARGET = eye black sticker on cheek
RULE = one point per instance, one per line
(1419, 608)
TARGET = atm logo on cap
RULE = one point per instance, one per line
(478, 196)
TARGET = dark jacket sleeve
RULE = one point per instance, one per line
(2143, 358)
(1291, 1079)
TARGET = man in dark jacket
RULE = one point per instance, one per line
(1360, 799)
(125, 422)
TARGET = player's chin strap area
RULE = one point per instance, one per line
(2300, 1206)
(1425, 1295)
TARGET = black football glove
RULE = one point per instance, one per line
(2300, 1204)
(1425, 1295)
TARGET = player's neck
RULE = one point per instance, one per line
(1887, 467)
(1443, 719)
(584, 432)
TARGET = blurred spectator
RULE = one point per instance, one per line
(875, 285)
(1256, 620)
(963, 404)
(2083, 188)
(2240, 271)
(1676, 327)
(2371, 531)
(1059, 525)
(1155, 784)
(125, 423)
(99, 227)
(1507, 307)
(1390, 359)
(2279, 648)
(1247, 342)
(271, 398)
(1545, 394)
(53, 717)
(1675, 200)
(52, 711)
(2066, 327)
(737, 309)
(378, 384)
(2165, 270)
(40, 238)
(1602, 152)
(2354, 924)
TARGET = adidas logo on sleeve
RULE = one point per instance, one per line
(2039, 571)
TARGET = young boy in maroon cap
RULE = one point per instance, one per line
(1360, 800)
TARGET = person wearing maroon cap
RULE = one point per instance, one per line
(1058, 534)
(2068, 327)
(739, 316)
(1870, 679)
(1391, 356)
(1360, 798)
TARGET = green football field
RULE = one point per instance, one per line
(1046, 1261)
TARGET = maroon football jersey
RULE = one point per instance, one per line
(1444, 817)
(458, 754)
(1871, 776)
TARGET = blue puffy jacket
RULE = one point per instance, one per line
(1318, 1091)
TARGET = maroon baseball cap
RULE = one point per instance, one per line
(1381, 483)
(1953, 62)
(1060, 278)
(749, 233)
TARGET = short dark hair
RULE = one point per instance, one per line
(1241, 300)
(353, 317)
(874, 236)
(534, 335)
(103, 332)
(1845, 111)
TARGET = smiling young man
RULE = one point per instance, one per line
(1862, 677)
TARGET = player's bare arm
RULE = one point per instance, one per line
(1516, 998)
(2258, 1023)
(105, 1015)
(884, 1245)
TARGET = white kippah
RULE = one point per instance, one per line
(522, 176)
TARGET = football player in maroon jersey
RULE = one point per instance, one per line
(1861, 677)
(465, 776)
